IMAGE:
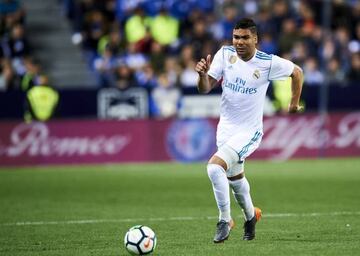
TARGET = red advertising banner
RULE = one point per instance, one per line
(299, 136)
(68, 142)
(76, 142)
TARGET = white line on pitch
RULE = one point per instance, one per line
(94, 221)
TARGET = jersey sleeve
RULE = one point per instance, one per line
(217, 67)
(280, 68)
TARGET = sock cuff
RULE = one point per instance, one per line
(239, 181)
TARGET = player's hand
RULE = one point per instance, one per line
(203, 65)
(295, 109)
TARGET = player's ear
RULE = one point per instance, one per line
(255, 39)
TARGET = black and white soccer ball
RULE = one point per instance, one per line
(140, 240)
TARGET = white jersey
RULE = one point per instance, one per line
(244, 86)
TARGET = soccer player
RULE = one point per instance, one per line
(245, 74)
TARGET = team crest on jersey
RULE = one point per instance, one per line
(256, 74)
(232, 59)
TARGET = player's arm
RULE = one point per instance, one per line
(205, 82)
(296, 87)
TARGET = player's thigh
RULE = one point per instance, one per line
(245, 144)
(225, 156)
(232, 153)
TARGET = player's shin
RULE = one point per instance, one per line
(221, 190)
(241, 191)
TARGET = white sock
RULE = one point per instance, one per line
(221, 190)
(241, 191)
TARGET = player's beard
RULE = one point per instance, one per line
(244, 53)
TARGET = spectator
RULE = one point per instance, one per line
(228, 22)
(13, 9)
(6, 75)
(172, 70)
(95, 26)
(334, 72)
(312, 74)
(136, 26)
(289, 36)
(354, 71)
(134, 59)
(199, 37)
(342, 41)
(165, 28)
(340, 14)
(306, 18)
(124, 77)
(299, 53)
(267, 44)
(144, 45)
(104, 67)
(78, 12)
(189, 76)
(16, 46)
(157, 56)
(145, 77)
(31, 75)
(327, 51)
(165, 98)
(188, 24)
(186, 55)
(114, 41)
(41, 101)
(279, 13)
(264, 22)
(314, 40)
(214, 27)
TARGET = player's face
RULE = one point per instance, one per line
(244, 42)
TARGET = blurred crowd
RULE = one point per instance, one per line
(19, 70)
(14, 46)
(155, 44)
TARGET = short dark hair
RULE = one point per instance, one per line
(246, 23)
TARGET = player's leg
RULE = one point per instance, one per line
(216, 169)
(244, 146)
(216, 172)
(241, 190)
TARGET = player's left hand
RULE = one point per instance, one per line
(295, 109)
(203, 65)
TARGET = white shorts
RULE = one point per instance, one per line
(244, 144)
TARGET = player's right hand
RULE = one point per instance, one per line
(295, 109)
(203, 65)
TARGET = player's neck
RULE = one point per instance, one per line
(248, 57)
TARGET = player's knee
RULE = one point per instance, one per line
(214, 170)
(236, 171)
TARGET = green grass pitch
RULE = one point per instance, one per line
(310, 207)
